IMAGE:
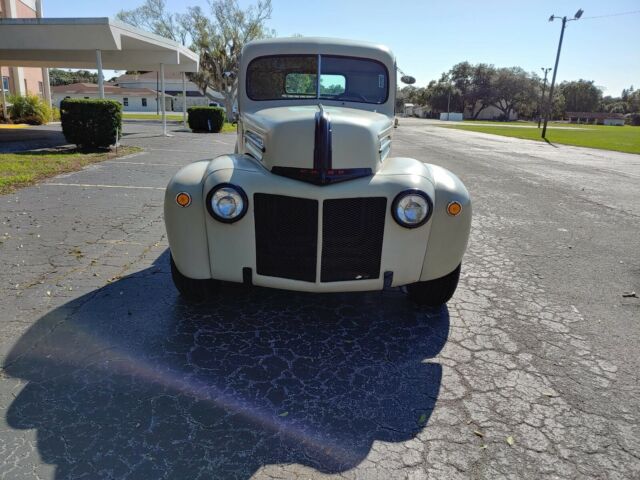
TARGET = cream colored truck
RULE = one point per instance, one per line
(312, 200)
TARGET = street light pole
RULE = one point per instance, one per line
(555, 68)
(544, 87)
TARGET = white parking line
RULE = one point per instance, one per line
(137, 154)
(90, 185)
(116, 162)
(205, 152)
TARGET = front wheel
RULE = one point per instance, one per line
(435, 292)
(191, 288)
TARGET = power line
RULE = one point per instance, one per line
(612, 15)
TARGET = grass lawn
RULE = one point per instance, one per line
(226, 128)
(151, 116)
(621, 139)
(26, 168)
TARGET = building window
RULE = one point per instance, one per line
(41, 88)
(125, 101)
(26, 88)
(5, 83)
(144, 102)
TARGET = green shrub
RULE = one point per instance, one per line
(91, 123)
(29, 109)
(55, 114)
(634, 119)
(206, 119)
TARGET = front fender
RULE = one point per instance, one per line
(449, 235)
(186, 230)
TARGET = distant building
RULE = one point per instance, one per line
(172, 86)
(407, 109)
(22, 80)
(132, 99)
(597, 118)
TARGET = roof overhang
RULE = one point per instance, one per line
(72, 43)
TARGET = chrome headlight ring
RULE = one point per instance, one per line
(412, 208)
(227, 203)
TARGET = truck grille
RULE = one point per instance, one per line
(352, 233)
(287, 237)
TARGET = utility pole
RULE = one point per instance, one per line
(544, 87)
(555, 68)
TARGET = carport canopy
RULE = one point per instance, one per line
(91, 43)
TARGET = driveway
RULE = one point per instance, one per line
(31, 138)
(530, 372)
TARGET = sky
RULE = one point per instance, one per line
(428, 37)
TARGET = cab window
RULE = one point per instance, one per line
(295, 77)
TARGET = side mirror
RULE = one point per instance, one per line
(408, 79)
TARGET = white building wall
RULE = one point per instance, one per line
(169, 85)
(191, 102)
(134, 103)
(172, 85)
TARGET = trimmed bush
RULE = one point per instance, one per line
(29, 109)
(91, 123)
(55, 114)
(206, 119)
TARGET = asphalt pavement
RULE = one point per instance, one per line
(531, 371)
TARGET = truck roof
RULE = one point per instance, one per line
(318, 45)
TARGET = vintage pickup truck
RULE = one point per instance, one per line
(312, 200)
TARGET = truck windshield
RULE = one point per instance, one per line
(294, 77)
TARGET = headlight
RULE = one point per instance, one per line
(411, 208)
(227, 203)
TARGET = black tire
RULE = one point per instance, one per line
(435, 292)
(191, 288)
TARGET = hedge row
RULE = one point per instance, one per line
(206, 119)
(91, 123)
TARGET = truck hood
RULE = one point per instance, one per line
(290, 138)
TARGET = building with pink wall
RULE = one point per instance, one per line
(23, 80)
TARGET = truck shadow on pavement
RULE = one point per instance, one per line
(129, 381)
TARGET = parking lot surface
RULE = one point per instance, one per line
(531, 371)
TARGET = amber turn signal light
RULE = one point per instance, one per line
(183, 199)
(454, 209)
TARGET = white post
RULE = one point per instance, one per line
(45, 71)
(46, 86)
(164, 103)
(100, 75)
(2, 96)
(184, 100)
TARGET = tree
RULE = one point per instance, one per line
(557, 105)
(152, 16)
(481, 91)
(441, 94)
(581, 96)
(513, 90)
(633, 100)
(218, 39)
(64, 77)
(461, 76)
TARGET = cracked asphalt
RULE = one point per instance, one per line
(531, 371)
